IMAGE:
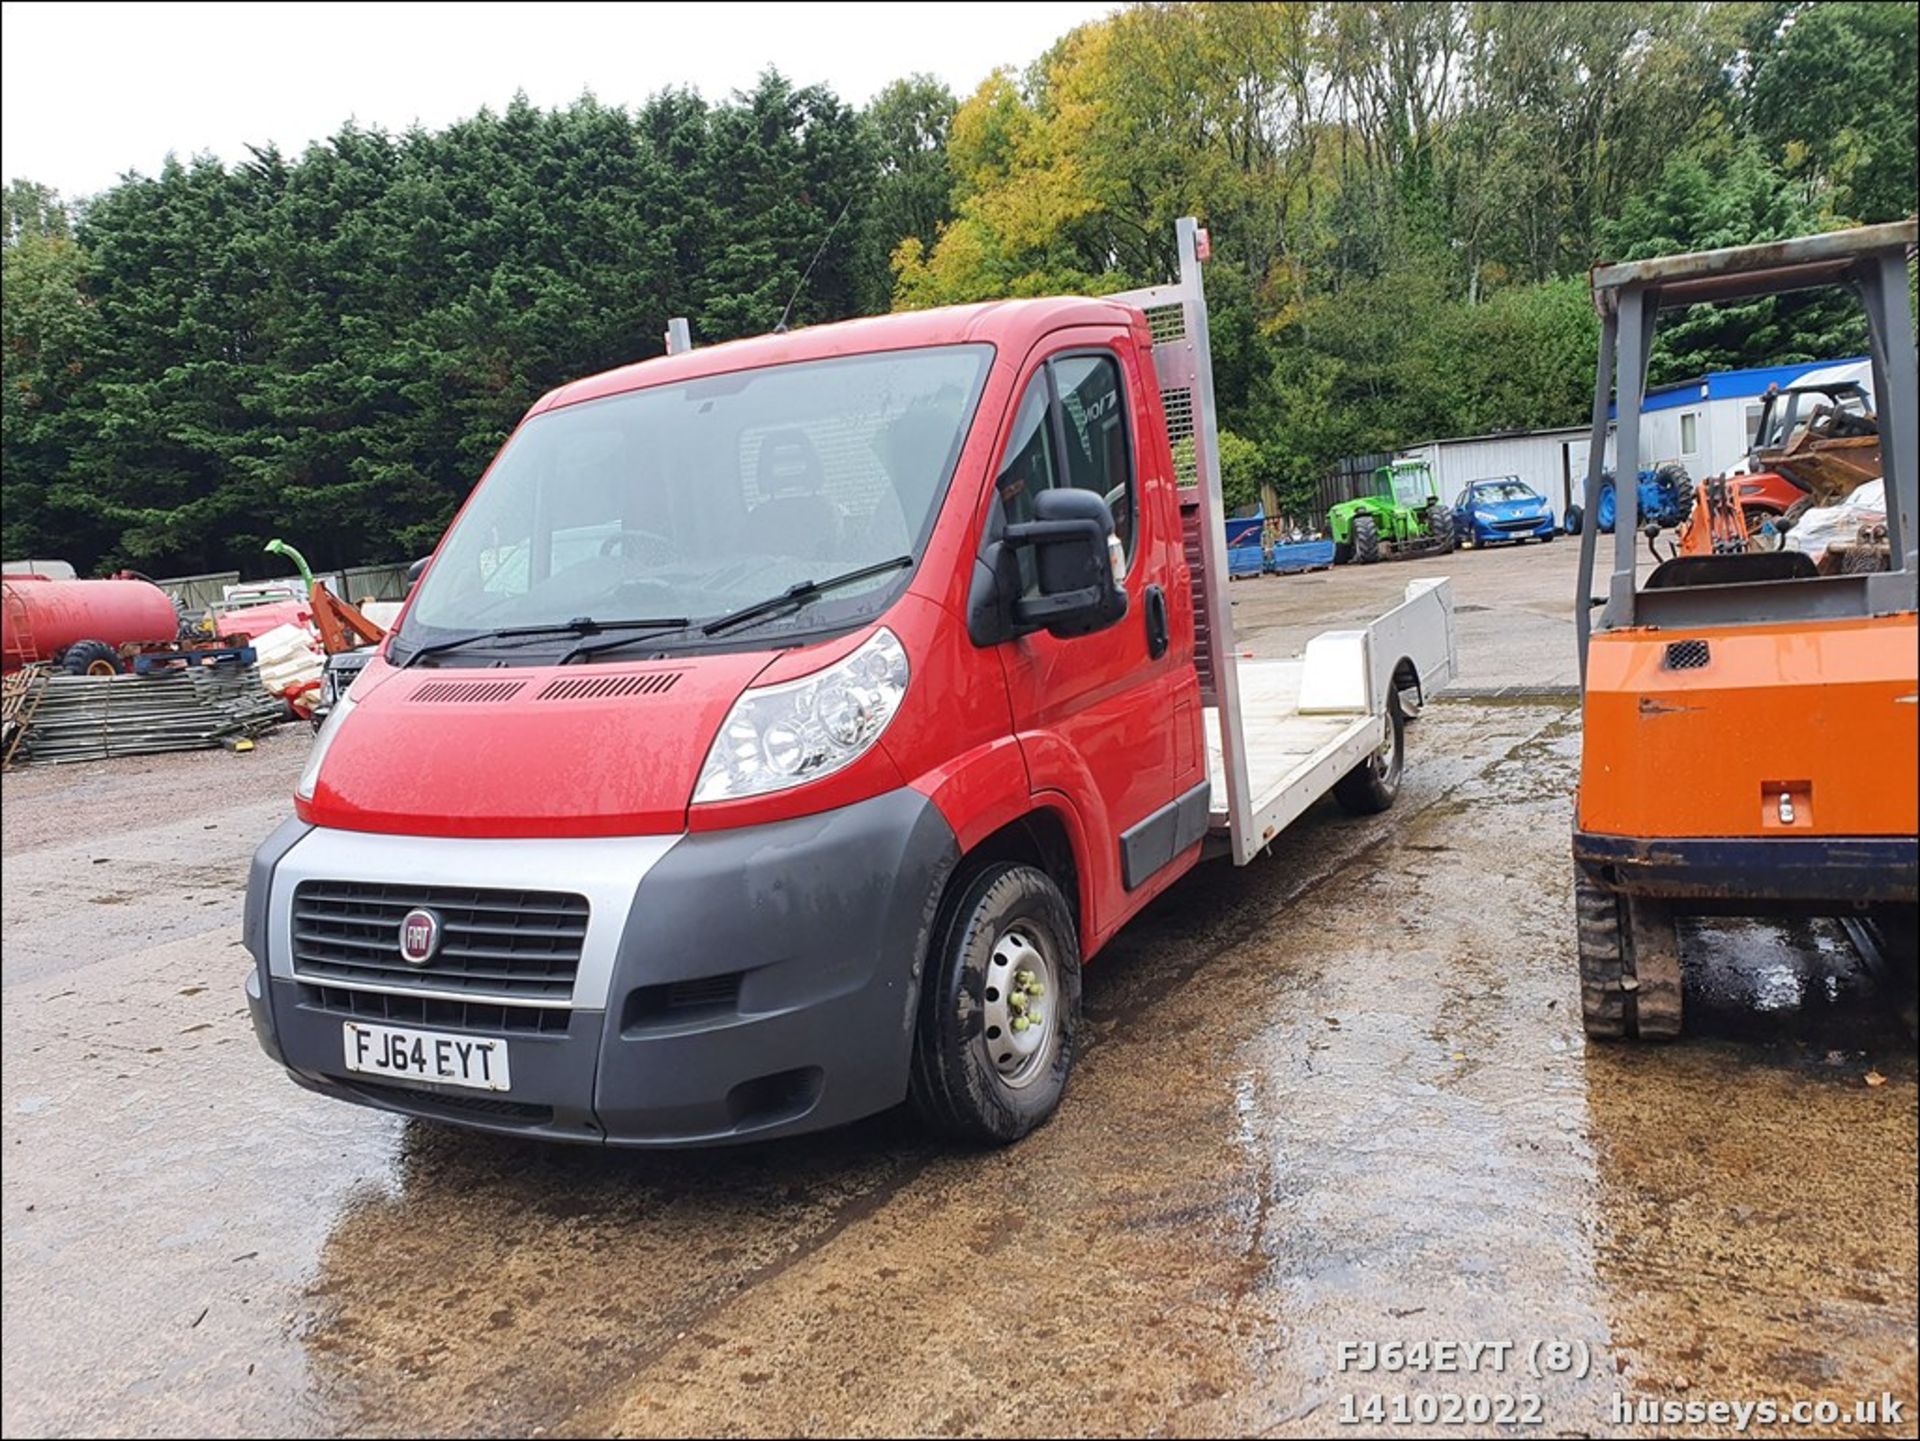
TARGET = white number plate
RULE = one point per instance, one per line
(426, 1056)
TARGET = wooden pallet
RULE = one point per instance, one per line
(20, 697)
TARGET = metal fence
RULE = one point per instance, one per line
(1349, 479)
(371, 582)
(194, 593)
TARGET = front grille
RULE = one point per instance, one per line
(383, 1007)
(442, 1102)
(498, 944)
(1532, 524)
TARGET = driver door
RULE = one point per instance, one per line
(1100, 716)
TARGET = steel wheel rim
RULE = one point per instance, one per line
(1021, 983)
(1386, 758)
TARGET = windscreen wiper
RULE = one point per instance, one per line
(579, 625)
(795, 596)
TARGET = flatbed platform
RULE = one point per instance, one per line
(1292, 759)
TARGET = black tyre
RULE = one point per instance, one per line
(1548, 538)
(1440, 527)
(1366, 540)
(90, 657)
(1371, 786)
(1574, 516)
(1005, 951)
(1629, 963)
(1342, 551)
(1791, 516)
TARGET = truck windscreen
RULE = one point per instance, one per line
(695, 499)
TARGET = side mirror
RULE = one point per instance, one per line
(414, 572)
(1071, 536)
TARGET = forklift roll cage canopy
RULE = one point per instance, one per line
(1873, 261)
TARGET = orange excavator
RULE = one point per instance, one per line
(1816, 442)
(1750, 718)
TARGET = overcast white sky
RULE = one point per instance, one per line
(89, 91)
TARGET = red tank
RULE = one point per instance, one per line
(39, 617)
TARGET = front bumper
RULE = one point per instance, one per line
(759, 982)
(1758, 871)
(1484, 532)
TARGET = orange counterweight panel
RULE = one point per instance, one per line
(1703, 732)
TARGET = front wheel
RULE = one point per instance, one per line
(1366, 540)
(1371, 786)
(1441, 526)
(1342, 551)
(1574, 516)
(999, 1008)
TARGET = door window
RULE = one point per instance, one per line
(1070, 429)
(1095, 425)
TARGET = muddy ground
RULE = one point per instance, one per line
(1338, 1097)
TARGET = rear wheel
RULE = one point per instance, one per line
(999, 1008)
(1366, 540)
(1371, 786)
(1629, 963)
(90, 657)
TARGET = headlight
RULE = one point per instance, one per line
(1486, 515)
(779, 736)
(329, 728)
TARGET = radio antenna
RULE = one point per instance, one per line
(805, 275)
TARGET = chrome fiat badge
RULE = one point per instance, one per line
(419, 936)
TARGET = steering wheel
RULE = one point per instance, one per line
(655, 548)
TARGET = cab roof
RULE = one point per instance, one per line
(1010, 325)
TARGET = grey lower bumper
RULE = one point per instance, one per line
(765, 984)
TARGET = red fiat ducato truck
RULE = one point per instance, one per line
(782, 725)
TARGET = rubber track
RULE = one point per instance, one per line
(1604, 966)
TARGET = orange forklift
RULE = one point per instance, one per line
(1750, 721)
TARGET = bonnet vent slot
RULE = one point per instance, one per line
(445, 691)
(608, 687)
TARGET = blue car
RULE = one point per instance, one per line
(1506, 508)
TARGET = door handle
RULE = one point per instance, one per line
(1156, 609)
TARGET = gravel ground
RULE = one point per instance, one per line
(1340, 1096)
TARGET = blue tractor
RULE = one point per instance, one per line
(1665, 497)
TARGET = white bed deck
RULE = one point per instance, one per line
(1292, 759)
